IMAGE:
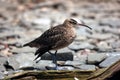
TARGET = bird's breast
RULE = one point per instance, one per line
(66, 39)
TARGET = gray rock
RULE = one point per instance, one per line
(113, 54)
(2, 68)
(62, 55)
(103, 46)
(42, 64)
(42, 23)
(23, 50)
(109, 61)
(96, 58)
(3, 60)
(74, 63)
(2, 47)
(115, 44)
(80, 45)
(87, 67)
(102, 36)
(1, 75)
(12, 62)
(25, 59)
(111, 22)
(79, 57)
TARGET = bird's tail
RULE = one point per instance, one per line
(31, 44)
(41, 51)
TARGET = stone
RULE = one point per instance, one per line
(87, 67)
(2, 47)
(109, 61)
(25, 59)
(43, 23)
(80, 45)
(74, 63)
(1, 75)
(42, 64)
(103, 46)
(113, 54)
(23, 50)
(12, 62)
(96, 58)
(81, 56)
(2, 68)
(102, 36)
(111, 22)
(62, 55)
(3, 60)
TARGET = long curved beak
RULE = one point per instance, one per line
(84, 26)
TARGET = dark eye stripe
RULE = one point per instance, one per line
(73, 21)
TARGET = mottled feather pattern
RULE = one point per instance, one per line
(54, 38)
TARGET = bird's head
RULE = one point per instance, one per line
(74, 23)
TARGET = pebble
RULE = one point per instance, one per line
(96, 58)
(109, 61)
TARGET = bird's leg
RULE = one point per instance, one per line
(54, 57)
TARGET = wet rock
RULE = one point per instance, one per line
(109, 61)
(23, 50)
(25, 60)
(62, 55)
(87, 67)
(96, 58)
(80, 45)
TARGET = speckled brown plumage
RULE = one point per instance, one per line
(55, 38)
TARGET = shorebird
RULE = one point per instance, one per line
(55, 38)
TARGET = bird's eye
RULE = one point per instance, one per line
(73, 21)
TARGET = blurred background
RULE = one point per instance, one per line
(24, 20)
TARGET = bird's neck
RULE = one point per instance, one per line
(68, 25)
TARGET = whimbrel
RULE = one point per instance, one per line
(55, 38)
